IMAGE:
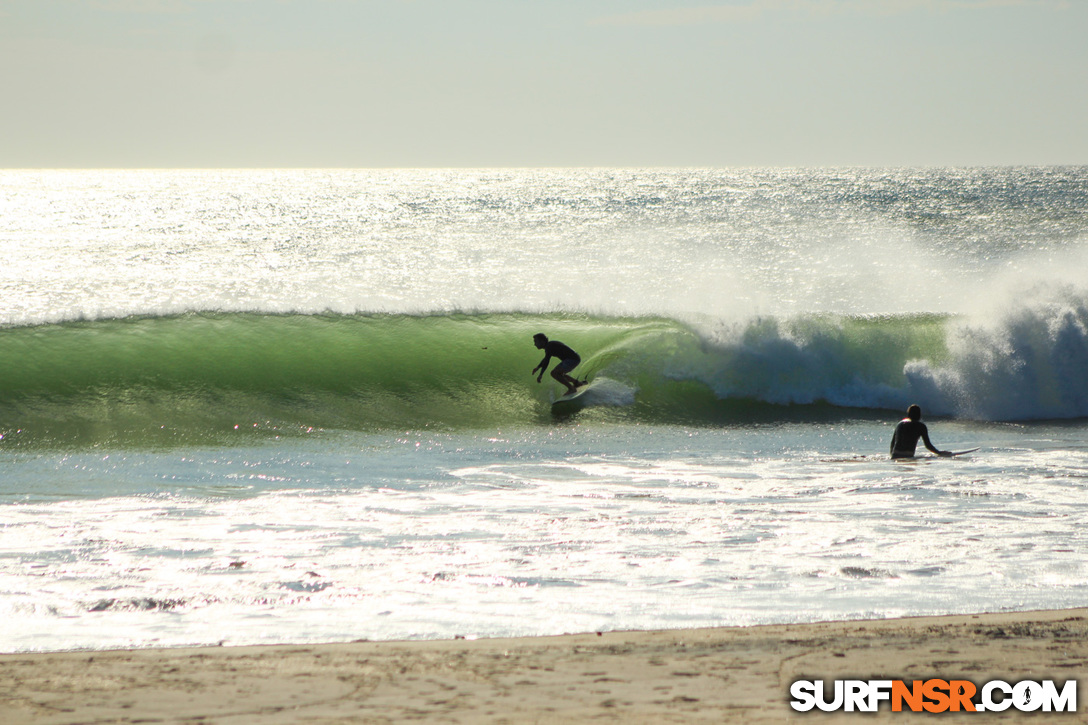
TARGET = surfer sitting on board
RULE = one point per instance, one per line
(568, 360)
(907, 433)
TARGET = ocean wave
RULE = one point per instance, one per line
(190, 376)
(1029, 364)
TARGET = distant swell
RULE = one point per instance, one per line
(164, 379)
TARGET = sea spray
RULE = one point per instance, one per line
(1030, 364)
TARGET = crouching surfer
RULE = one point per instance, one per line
(907, 433)
(568, 360)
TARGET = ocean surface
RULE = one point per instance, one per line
(248, 407)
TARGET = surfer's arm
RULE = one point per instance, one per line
(930, 446)
(542, 367)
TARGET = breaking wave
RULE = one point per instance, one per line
(203, 376)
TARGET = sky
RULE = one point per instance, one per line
(541, 83)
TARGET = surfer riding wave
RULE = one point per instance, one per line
(568, 360)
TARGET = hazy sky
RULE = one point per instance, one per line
(411, 83)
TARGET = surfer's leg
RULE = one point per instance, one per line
(561, 372)
(564, 379)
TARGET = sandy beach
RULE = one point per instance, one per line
(740, 675)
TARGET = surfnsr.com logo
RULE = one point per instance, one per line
(934, 695)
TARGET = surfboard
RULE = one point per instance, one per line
(949, 454)
(571, 401)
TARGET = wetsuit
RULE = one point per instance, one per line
(905, 438)
(568, 359)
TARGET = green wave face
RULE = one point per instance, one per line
(201, 376)
(204, 377)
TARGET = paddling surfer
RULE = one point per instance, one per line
(907, 433)
(568, 360)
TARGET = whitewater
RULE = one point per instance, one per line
(249, 407)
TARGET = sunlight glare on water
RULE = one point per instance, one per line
(541, 541)
(296, 406)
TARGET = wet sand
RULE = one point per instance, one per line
(725, 675)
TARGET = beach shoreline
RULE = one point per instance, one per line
(729, 674)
